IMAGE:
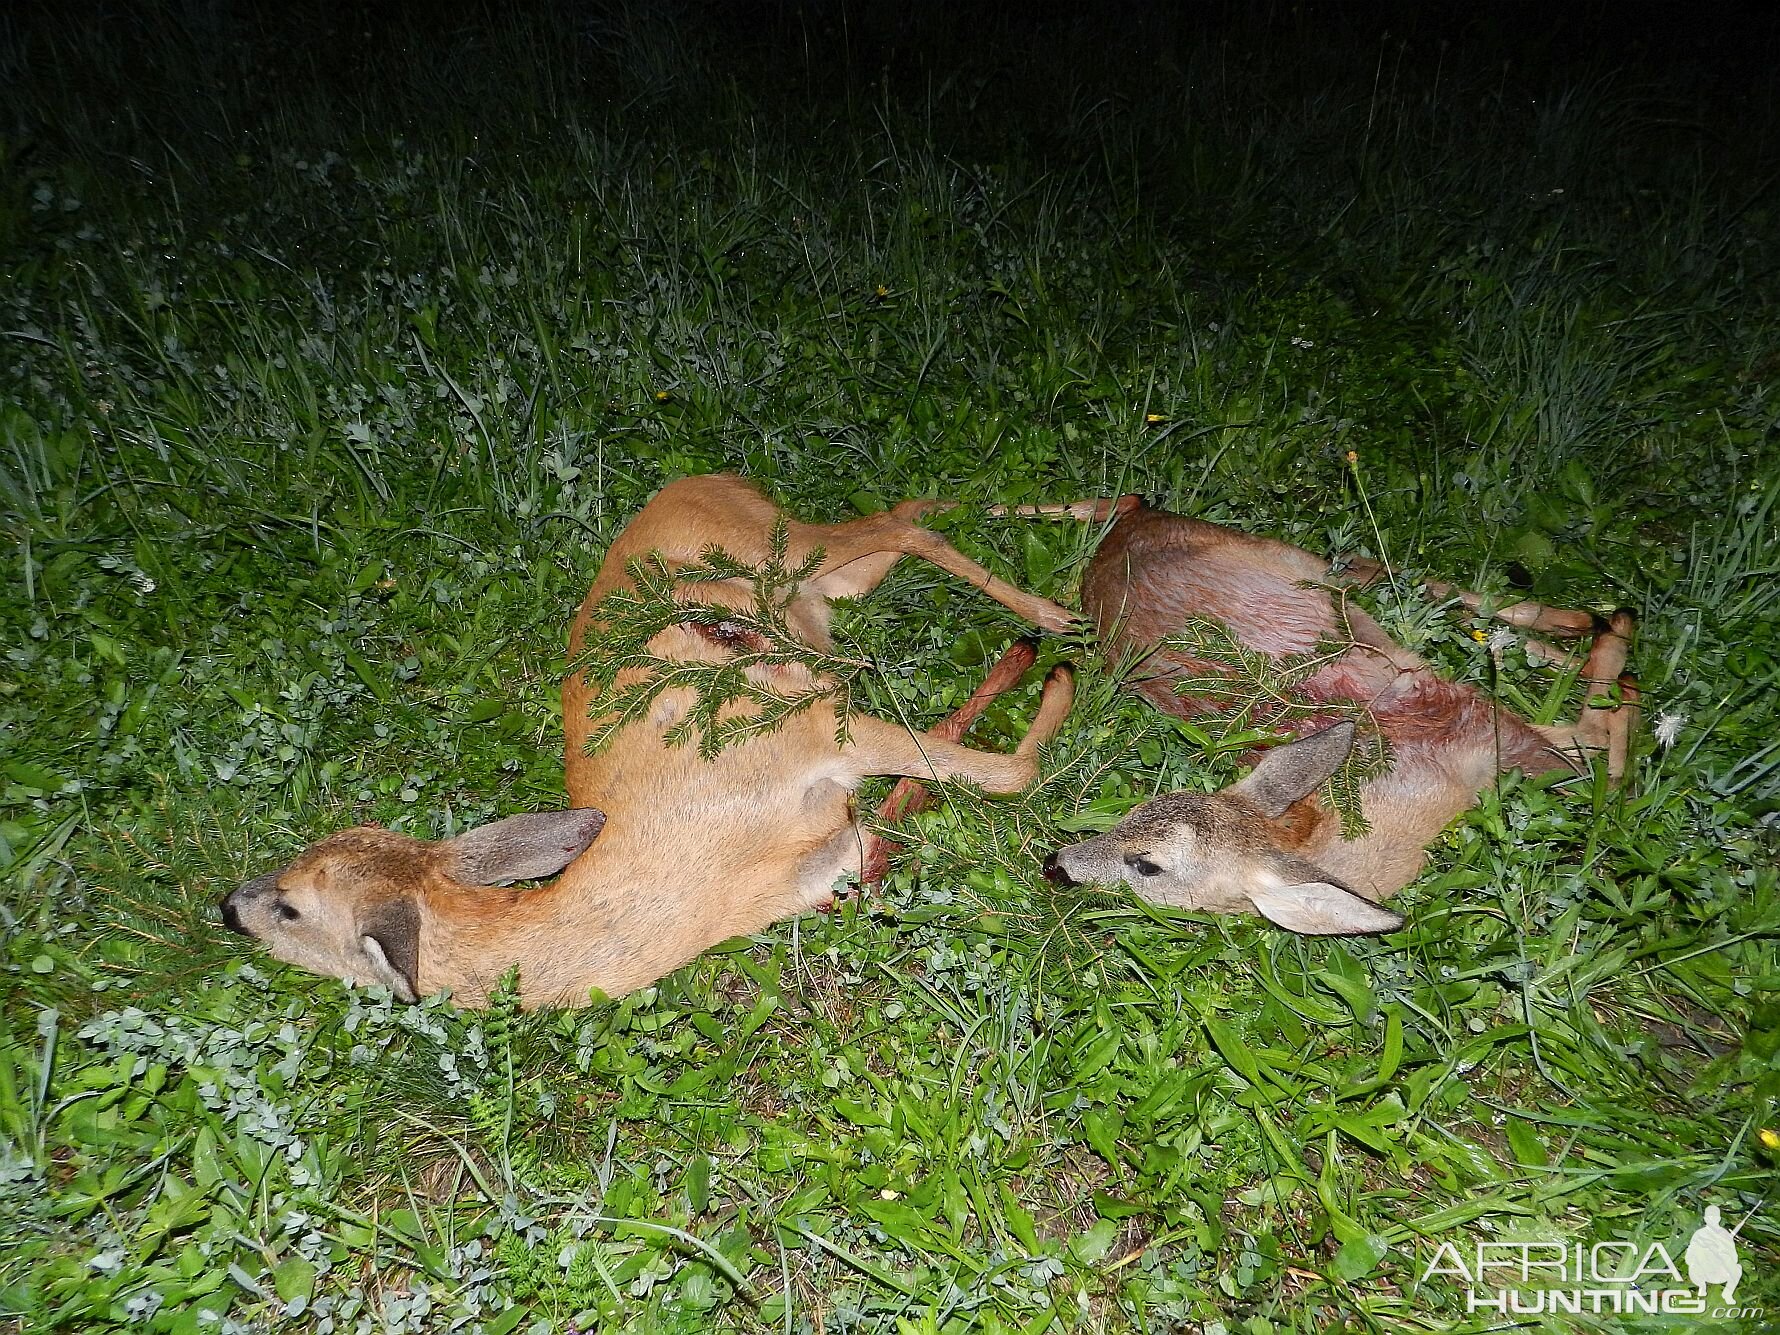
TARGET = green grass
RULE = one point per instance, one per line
(327, 380)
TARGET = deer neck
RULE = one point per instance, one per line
(569, 938)
(1449, 744)
(1406, 811)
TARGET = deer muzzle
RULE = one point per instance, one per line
(232, 903)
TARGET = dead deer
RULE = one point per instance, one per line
(1262, 845)
(689, 850)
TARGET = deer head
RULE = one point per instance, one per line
(350, 905)
(1222, 852)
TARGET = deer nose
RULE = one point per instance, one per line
(1054, 873)
(249, 894)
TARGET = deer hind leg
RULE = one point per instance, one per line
(1537, 619)
(1598, 728)
(868, 854)
(1098, 510)
(911, 795)
(861, 553)
(1603, 728)
(845, 857)
(1542, 618)
(1564, 623)
(878, 747)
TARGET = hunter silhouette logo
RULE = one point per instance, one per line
(1712, 1255)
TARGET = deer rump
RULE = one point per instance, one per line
(1265, 845)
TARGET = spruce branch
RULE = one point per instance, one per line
(1247, 689)
(730, 703)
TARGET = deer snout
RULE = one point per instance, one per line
(244, 897)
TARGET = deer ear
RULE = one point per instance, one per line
(1320, 908)
(390, 938)
(1292, 772)
(522, 848)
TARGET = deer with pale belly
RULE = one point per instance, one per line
(663, 851)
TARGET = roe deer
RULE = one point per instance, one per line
(1260, 845)
(689, 851)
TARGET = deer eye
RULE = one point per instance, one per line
(1142, 866)
(286, 912)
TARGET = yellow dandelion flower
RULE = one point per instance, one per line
(1479, 636)
(1153, 418)
(1770, 1138)
(882, 291)
(662, 396)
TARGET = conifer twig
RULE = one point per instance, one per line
(732, 700)
(1245, 689)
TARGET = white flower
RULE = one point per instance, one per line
(1668, 727)
(1501, 639)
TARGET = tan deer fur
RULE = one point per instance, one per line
(689, 851)
(1265, 844)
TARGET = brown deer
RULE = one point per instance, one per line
(1263, 845)
(662, 852)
